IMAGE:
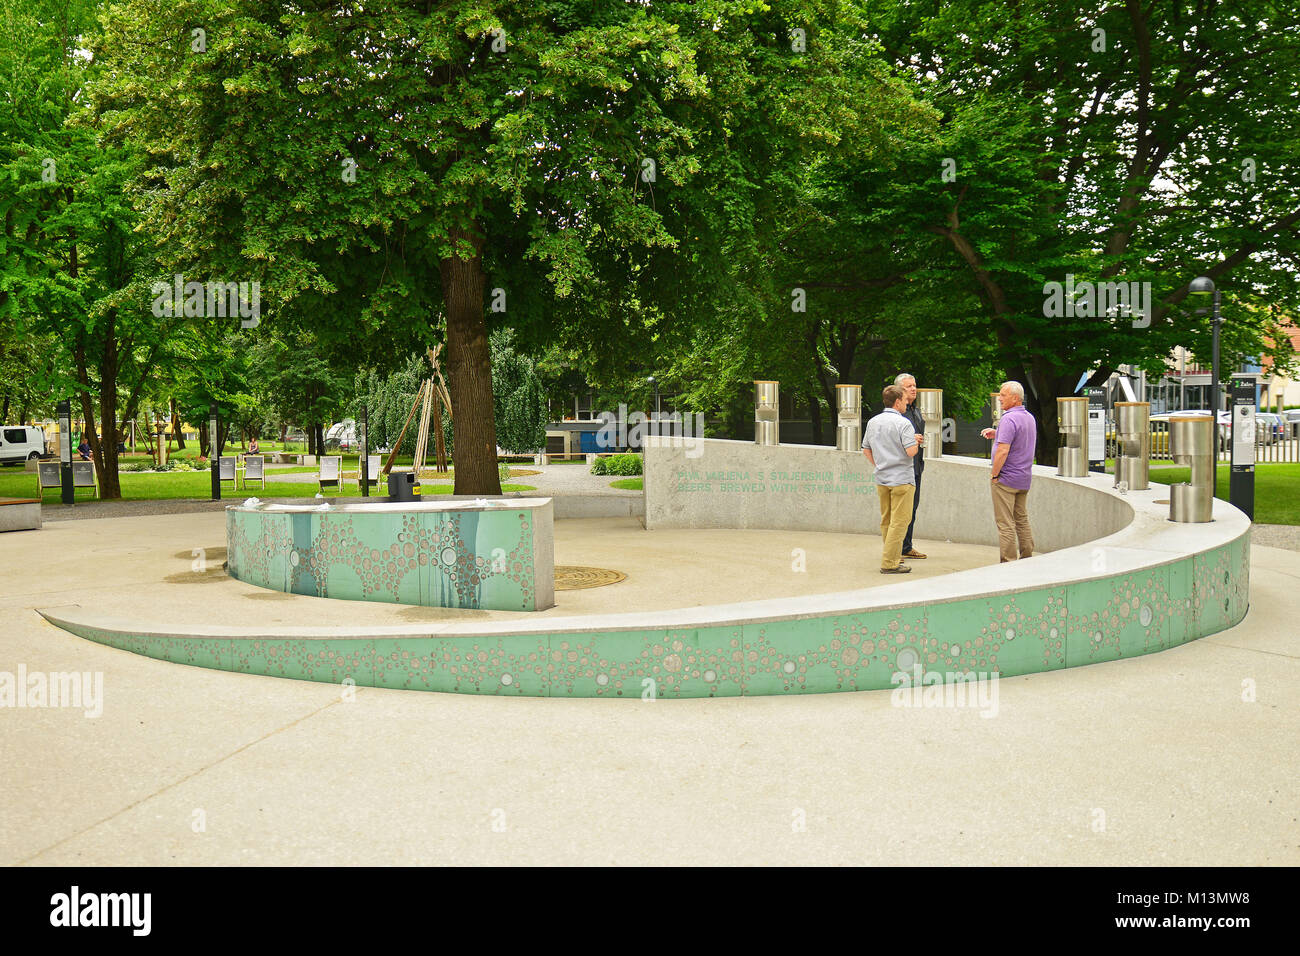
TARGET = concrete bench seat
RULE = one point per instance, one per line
(20, 514)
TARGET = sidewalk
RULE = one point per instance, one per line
(1185, 757)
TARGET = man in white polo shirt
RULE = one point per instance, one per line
(890, 445)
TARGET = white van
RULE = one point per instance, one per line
(21, 443)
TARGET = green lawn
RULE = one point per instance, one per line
(15, 483)
(630, 484)
(1277, 489)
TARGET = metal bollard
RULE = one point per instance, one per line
(1071, 453)
(929, 402)
(1191, 441)
(1133, 431)
(848, 430)
(767, 413)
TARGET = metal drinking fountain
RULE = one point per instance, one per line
(1133, 429)
(1191, 442)
(1071, 453)
(929, 402)
(767, 413)
(848, 430)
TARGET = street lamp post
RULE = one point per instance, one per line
(1203, 285)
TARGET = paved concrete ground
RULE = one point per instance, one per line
(1183, 757)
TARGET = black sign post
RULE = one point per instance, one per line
(65, 451)
(214, 451)
(1241, 476)
(363, 469)
(1096, 429)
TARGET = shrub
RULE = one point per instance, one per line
(503, 470)
(629, 464)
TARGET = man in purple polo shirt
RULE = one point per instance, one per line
(1013, 460)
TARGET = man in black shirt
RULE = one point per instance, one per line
(907, 382)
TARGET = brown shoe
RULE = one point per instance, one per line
(913, 554)
(901, 569)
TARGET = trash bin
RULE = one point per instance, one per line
(402, 486)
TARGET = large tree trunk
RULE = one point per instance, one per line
(106, 455)
(469, 367)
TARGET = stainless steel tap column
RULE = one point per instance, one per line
(1191, 442)
(1072, 452)
(767, 413)
(929, 402)
(848, 430)
(1133, 429)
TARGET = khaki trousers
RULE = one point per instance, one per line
(895, 515)
(1012, 518)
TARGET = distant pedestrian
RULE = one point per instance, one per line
(84, 450)
(252, 446)
(889, 444)
(1013, 461)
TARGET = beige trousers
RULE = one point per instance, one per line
(895, 515)
(1012, 518)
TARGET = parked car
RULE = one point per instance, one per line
(21, 443)
(1291, 421)
(1159, 437)
(1268, 428)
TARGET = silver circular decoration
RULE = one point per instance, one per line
(1054, 632)
(507, 680)
(602, 679)
(710, 676)
(448, 556)
(1011, 634)
(1145, 615)
(906, 660)
(788, 667)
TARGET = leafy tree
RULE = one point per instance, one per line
(1119, 142)
(374, 165)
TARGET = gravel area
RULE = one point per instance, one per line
(1276, 536)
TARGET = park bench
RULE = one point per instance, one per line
(255, 470)
(20, 514)
(330, 472)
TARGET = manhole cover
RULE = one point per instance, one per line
(571, 578)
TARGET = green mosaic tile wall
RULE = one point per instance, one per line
(1031, 631)
(463, 559)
